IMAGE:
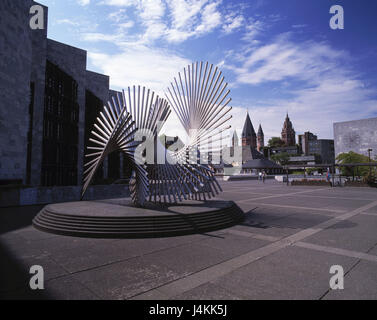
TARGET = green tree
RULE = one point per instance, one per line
(275, 142)
(311, 170)
(353, 157)
(281, 158)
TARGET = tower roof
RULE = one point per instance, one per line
(260, 131)
(248, 129)
(287, 123)
(235, 139)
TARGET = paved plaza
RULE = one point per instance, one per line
(283, 250)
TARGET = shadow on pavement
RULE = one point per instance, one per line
(13, 218)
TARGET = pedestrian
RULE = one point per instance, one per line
(260, 176)
(328, 176)
(263, 176)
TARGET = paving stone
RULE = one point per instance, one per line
(125, 279)
(208, 291)
(291, 273)
(80, 268)
(359, 284)
(357, 234)
(67, 288)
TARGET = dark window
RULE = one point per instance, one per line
(93, 106)
(60, 129)
(30, 133)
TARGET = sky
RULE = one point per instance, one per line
(277, 56)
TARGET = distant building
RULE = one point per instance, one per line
(260, 139)
(288, 134)
(292, 150)
(304, 160)
(303, 141)
(357, 136)
(251, 159)
(48, 104)
(324, 148)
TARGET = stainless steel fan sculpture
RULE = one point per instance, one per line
(199, 99)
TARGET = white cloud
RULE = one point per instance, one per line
(286, 59)
(83, 2)
(234, 23)
(67, 21)
(95, 37)
(328, 89)
(171, 20)
(120, 3)
(143, 65)
(118, 16)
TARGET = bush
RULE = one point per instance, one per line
(370, 179)
(310, 182)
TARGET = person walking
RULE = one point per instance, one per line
(328, 176)
(264, 176)
(260, 176)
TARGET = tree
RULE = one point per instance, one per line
(275, 142)
(353, 157)
(281, 158)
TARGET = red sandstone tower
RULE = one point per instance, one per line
(288, 134)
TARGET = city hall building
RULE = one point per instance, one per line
(48, 104)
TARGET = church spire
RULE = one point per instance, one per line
(260, 138)
(235, 139)
(249, 137)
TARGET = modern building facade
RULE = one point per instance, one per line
(48, 103)
(324, 148)
(357, 136)
(303, 141)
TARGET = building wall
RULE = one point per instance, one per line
(23, 57)
(38, 73)
(98, 84)
(324, 148)
(15, 70)
(357, 136)
(72, 61)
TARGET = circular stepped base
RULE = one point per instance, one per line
(118, 218)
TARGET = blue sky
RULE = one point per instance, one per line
(277, 56)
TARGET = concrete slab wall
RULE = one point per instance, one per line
(15, 70)
(15, 196)
(38, 76)
(357, 136)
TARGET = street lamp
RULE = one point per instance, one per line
(370, 168)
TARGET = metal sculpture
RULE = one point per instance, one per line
(200, 101)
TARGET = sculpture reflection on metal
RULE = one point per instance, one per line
(199, 99)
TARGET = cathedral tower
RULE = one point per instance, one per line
(235, 139)
(249, 138)
(288, 134)
(260, 139)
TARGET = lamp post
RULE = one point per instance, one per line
(370, 168)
